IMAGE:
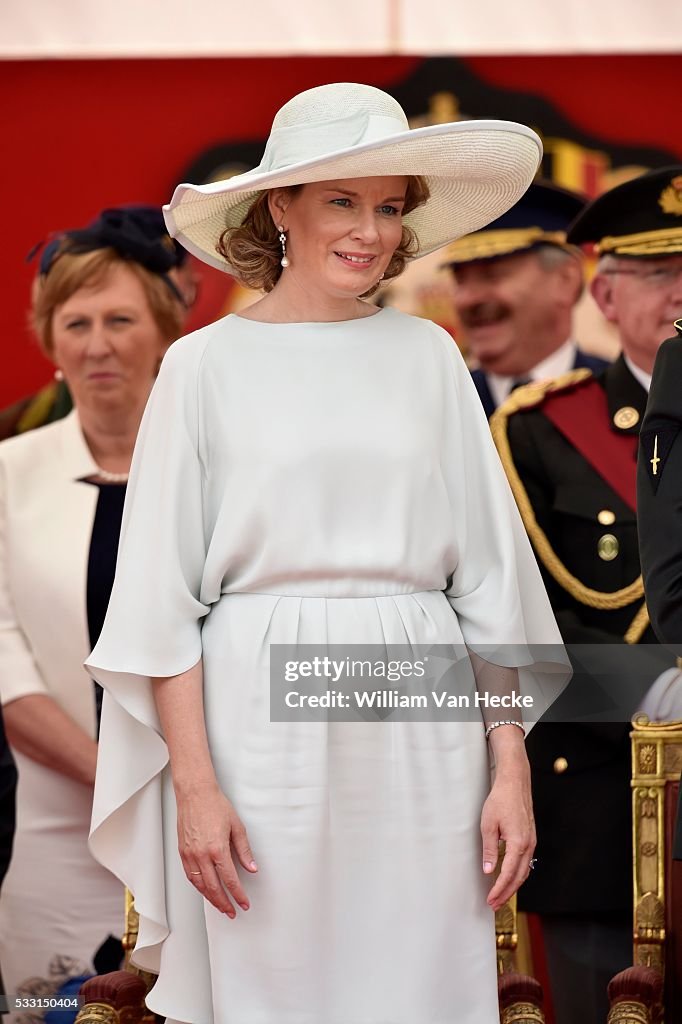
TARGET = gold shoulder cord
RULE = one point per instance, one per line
(526, 398)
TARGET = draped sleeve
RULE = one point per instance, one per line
(152, 628)
(495, 587)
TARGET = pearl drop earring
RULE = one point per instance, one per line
(283, 242)
(58, 375)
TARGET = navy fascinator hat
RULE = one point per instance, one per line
(136, 233)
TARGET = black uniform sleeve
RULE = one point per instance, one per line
(659, 496)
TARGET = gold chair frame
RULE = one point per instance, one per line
(637, 994)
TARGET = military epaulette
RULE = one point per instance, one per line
(529, 397)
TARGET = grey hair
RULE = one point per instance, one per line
(552, 256)
(607, 263)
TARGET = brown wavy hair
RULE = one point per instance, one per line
(253, 250)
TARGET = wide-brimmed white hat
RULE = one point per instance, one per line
(475, 170)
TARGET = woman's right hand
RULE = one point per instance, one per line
(209, 829)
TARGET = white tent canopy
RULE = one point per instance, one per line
(221, 28)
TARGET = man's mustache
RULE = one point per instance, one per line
(483, 313)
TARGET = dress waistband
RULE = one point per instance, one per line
(331, 591)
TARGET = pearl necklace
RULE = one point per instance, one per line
(111, 478)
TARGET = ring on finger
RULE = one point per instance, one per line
(195, 872)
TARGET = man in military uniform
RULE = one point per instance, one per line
(659, 498)
(516, 285)
(569, 448)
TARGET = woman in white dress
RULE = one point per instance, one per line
(320, 471)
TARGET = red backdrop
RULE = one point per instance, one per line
(81, 135)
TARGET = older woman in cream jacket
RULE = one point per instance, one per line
(105, 308)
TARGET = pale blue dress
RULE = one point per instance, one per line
(315, 483)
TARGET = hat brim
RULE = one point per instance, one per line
(475, 170)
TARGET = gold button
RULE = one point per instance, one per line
(608, 547)
(606, 517)
(560, 765)
(626, 417)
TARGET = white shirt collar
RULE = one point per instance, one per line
(560, 361)
(642, 376)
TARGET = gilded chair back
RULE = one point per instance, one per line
(657, 878)
(520, 995)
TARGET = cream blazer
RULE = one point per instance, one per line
(46, 517)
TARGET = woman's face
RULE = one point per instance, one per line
(107, 343)
(341, 234)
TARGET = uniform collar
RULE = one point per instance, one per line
(558, 362)
(642, 376)
(626, 398)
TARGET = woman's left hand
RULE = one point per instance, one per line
(508, 814)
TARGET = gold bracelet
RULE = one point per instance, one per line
(496, 725)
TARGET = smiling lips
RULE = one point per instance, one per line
(356, 259)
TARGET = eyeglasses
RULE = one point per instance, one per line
(657, 277)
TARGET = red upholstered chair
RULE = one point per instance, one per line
(650, 992)
(118, 997)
